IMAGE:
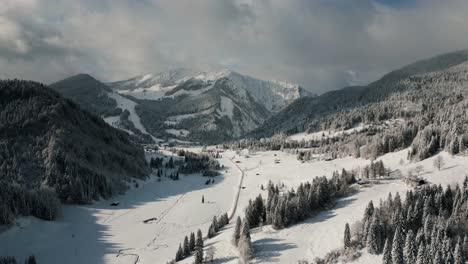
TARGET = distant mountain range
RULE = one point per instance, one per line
(183, 105)
(315, 113)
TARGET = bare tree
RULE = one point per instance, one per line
(439, 162)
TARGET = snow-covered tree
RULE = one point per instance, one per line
(439, 162)
(397, 247)
(387, 252)
(237, 231)
(347, 237)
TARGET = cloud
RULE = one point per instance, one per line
(320, 44)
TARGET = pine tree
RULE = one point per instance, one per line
(199, 255)
(410, 251)
(192, 241)
(186, 247)
(245, 229)
(245, 243)
(211, 231)
(203, 199)
(215, 224)
(179, 254)
(347, 237)
(421, 258)
(199, 241)
(397, 248)
(237, 230)
(31, 260)
(387, 252)
(374, 236)
(457, 255)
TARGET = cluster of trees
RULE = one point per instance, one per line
(191, 245)
(374, 170)
(195, 163)
(217, 224)
(242, 240)
(17, 200)
(12, 260)
(156, 162)
(430, 226)
(286, 208)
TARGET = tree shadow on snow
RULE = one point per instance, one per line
(82, 233)
(268, 249)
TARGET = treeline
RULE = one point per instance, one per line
(199, 162)
(283, 209)
(430, 226)
(16, 200)
(12, 260)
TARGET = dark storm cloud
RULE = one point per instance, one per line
(320, 44)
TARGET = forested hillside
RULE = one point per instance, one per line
(49, 147)
(307, 114)
(427, 112)
(89, 93)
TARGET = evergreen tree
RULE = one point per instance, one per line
(421, 258)
(186, 247)
(245, 243)
(192, 241)
(179, 254)
(237, 230)
(397, 248)
(199, 241)
(387, 252)
(31, 260)
(211, 231)
(347, 237)
(203, 199)
(215, 224)
(374, 236)
(199, 255)
(410, 250)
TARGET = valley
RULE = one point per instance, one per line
(107, 234)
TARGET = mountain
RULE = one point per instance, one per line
(88, 93)
(208, 107)
(184, 105)
(47, 141)
(99, 99)
(313, 113)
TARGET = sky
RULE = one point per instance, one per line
(320, 44)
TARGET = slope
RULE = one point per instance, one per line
(48, 141)
(308, 113)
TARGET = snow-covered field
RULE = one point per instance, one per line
(100, 233)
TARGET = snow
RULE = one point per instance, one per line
(97, 233)
(127, 104)
(274, 95)
(227, 107)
